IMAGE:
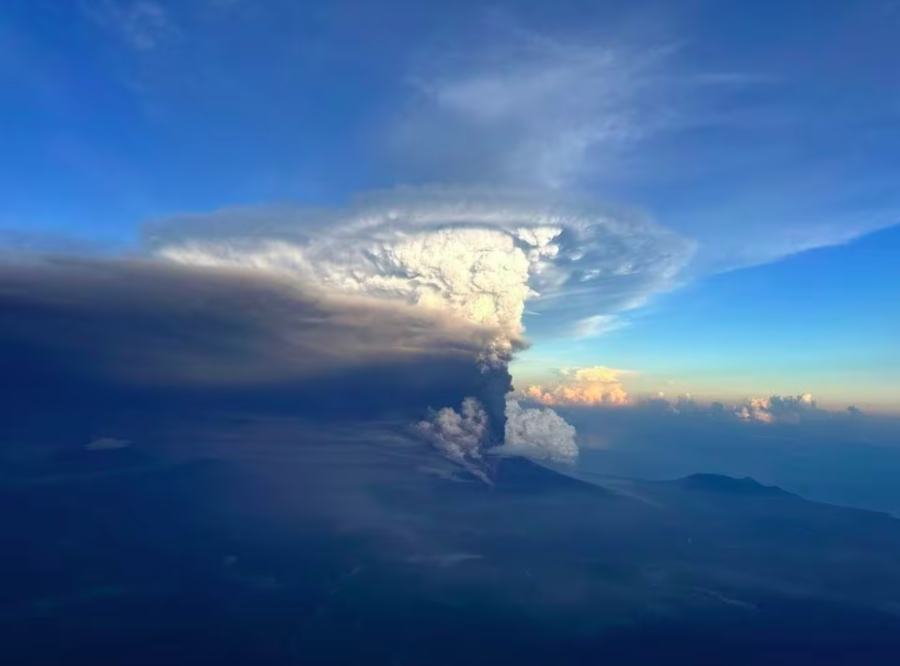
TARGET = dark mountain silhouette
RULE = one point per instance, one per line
(527, 476)
(323, 548)
(717, 483)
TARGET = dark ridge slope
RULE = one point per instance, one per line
(717, 483)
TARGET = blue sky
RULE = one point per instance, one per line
(823, 321)
(765, 132)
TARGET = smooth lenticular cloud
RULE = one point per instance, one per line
(597, 385)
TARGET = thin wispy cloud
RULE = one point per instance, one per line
(711, 149)
(142, 25)
(597, 325)
(107, 444)
(535, 109)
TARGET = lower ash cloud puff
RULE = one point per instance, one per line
(537, 433)
(459, 435)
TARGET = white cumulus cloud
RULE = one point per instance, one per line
(777, 409)
(597, 385)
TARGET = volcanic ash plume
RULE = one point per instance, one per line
(475, 256)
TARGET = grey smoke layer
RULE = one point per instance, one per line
(83, 338)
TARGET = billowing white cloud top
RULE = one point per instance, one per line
(476, 255)
(458, 435)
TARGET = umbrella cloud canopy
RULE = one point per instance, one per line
(477, 255)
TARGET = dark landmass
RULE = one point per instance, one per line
(716, 483)
(302, 548)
